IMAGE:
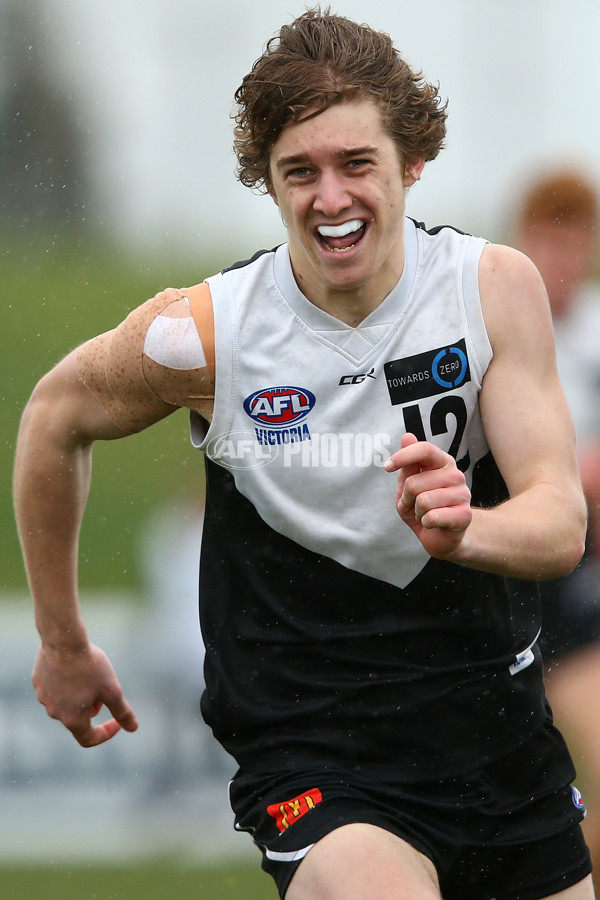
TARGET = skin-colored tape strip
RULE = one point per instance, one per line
(111, 366)
(202, 311)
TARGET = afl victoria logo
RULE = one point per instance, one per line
(279, 406)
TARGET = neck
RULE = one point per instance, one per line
(350, 307)
(354, 302)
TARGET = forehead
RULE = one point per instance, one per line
(339, 129)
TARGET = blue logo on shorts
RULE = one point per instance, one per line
(577, 798)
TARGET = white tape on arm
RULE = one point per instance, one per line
(175, 342)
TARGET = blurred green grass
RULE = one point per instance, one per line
(58, 293)
(159, 881)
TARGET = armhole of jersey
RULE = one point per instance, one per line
(472, 304)
(202, 311)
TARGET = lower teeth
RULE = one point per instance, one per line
(341, 249)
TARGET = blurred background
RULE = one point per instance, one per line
(116, 180)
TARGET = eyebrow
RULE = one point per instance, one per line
(295, 159)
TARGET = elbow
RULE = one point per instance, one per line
(570, 558)
(572, 548)
(31, 411)
(44, 424)
(39, 407)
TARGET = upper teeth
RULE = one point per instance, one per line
(340, 230)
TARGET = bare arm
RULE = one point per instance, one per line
(539, 532)
(74, 679)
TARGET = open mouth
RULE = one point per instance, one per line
(341, 238)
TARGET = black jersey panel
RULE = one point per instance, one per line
(488, 487)
(246, 262)
(436, 228)
(306, 659)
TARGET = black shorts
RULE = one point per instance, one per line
(509, 831)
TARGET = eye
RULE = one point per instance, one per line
(357, 164)
(301, 173)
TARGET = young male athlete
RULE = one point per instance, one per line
(387, 449)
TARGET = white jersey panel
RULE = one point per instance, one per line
(307, 409)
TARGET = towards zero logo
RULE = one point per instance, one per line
(428, 374)
(279, 407)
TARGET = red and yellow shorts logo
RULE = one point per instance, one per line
(285, 814)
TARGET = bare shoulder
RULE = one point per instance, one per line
(149, 365)
(506, 271)
(178, 351)
(513, 296)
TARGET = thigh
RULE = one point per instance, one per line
(315, 818)
(584, 890)
(573, 688)
(361, 861)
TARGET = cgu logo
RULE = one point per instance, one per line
(279, 406)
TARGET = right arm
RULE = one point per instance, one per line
(73, 679)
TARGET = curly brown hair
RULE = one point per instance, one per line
(322, 59)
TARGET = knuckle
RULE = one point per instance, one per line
(113, 699)
(70, 721)
(410, 484)
(81, 732)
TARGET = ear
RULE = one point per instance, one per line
(268, 183)
(412, 171)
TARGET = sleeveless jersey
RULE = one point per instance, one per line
(330, 633)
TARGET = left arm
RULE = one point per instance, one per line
(540, 531)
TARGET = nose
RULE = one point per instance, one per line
(332, 195)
